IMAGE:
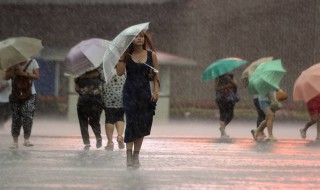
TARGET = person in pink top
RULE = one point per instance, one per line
(313, 107)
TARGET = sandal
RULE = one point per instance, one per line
(254, 134)
(120, 142)
(303, 133)
(109, 147)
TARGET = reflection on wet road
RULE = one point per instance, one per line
(167, 163)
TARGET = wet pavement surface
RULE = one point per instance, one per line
(176, 156)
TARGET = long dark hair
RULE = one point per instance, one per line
(147, 45)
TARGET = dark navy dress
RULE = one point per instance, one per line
(138, 108)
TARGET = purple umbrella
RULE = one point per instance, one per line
(85, 56)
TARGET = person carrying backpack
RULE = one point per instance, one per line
(89, 106)
(22, 99)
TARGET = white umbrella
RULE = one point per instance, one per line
(118, 46)
(18, 49)
(85, 56)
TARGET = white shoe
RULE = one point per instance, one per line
(27, 143)
(14, 146)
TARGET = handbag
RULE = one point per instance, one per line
(233, 96)
(281, 95)
(274, 103)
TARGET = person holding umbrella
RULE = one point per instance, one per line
(265, 81)
(113, 108)
(255, 97)
(139, 102)
(313, 107)
(306, 89)
(22, 110)
(265, 103)
(225, 87)
(89, 106)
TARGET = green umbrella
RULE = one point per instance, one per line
(266, 77)
(221, 67)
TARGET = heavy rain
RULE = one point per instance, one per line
(189, 147)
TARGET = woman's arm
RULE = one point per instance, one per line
(34, 75)
(3, 87)
(10, 73)
(156, 81)
(121, 66)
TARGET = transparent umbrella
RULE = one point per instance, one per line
(118, 46)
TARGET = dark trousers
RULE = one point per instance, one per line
(5, 113)
(22, 116)
(261, 114)
(226, 110)
(89, 110)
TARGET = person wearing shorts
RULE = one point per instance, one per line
(113, 108)
(313, 107)
(265, 105)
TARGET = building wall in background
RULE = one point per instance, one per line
(204, 30)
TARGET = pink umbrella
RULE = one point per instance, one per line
(307, 86)
(85, 56)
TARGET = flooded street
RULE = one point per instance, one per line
(170, 160)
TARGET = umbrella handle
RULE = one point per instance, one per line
(155, 70)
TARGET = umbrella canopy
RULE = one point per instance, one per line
(251, 68)
(118, 46)
(18, 49)
(266, 77)
(85, 56)
(307, 86)
(221, 67)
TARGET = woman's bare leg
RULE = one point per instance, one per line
(109, 132)
(120, 129)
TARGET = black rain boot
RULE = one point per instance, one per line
(135, 159)
(129, 159)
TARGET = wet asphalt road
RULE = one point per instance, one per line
(176, 156)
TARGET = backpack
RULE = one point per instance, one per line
(21, 87)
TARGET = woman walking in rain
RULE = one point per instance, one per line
(89, 106)
(113, 108)
(313, 107)
(22, 110)
(139, 102)
(225, 86)
(269, 104)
